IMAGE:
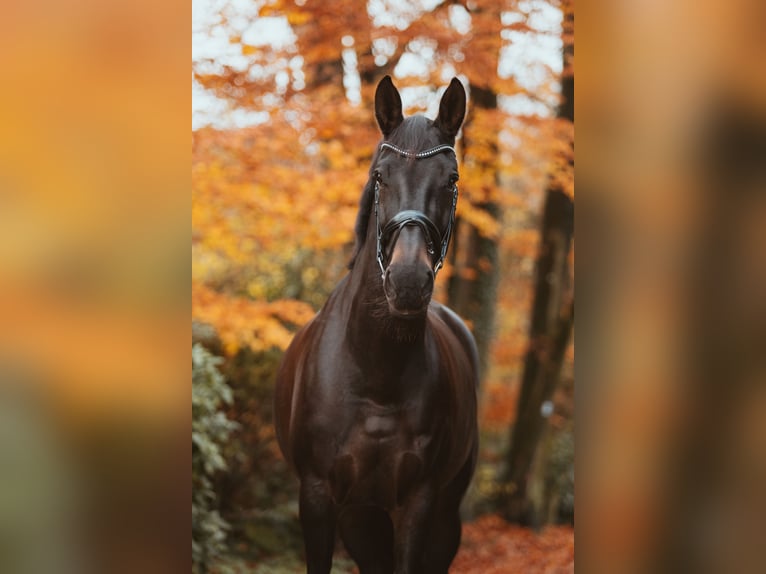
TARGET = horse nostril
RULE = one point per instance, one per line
(389, 285)
(428, 283)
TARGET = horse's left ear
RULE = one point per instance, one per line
(451, 109)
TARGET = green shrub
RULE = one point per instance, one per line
(210, 431)
(258, 493)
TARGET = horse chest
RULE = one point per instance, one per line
(384, 429)
(380, 426)
(380, 458)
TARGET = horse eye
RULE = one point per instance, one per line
(377, 177)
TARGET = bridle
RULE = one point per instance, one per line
(413, 217)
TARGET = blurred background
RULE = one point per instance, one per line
(94, 286)
(672, 266)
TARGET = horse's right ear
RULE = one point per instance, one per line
(388, 106)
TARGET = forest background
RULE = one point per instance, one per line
(283, 135)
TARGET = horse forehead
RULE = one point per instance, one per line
(413, 171)
(416, 129)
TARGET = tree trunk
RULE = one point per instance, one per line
(550, 326)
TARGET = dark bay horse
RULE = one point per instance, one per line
(375, 404)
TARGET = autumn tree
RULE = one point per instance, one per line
(552, 316)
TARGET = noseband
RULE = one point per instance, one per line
(413, 217)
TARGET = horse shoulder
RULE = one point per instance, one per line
(295, 374)
(289, 386)
(462, 364)
(460, 330)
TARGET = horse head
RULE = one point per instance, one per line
(414, 174)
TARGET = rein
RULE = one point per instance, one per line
(413, 217)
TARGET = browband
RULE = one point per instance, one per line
(420, 154)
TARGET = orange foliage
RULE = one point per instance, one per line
(255, 191)
(244, 322)
(499, 406)
(492, 546)
(75, 342)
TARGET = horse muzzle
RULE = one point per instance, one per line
(408, 281)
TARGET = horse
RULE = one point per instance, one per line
(375, 400)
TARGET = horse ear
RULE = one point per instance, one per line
(451, 109)
(388, 106)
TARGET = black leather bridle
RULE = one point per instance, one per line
(413, 217)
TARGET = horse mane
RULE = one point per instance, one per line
(411, 135)
(362, 219)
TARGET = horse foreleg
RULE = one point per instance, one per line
(317, 513)
(410, 531)
(444, 531)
